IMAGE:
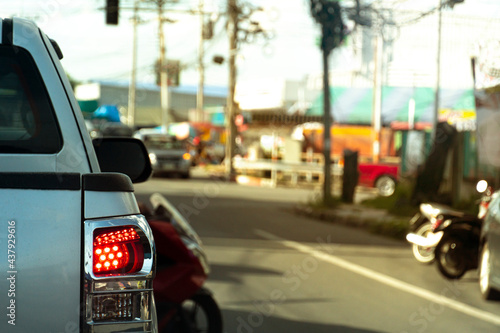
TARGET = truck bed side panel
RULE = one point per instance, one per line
(40, 248)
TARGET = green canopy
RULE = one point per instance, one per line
(354, 105)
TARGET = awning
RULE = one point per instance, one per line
(354, 105)
(88, 106)
(107, 112)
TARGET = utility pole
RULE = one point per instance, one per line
(236, 14)
(438, 71)
(201, 67)
(232, 27)
(132, 88)
(112, 10)
(165, 105)
(377, 95)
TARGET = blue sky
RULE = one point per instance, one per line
(94, 51)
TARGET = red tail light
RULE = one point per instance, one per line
(437, 222)
(117, 250)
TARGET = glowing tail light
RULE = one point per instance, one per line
(437, 222)
(119, 257)
(117, 250)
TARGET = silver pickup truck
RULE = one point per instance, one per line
(75, 253)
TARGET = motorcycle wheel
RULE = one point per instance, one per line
(199, 314)
(168, 319)
(451, 256)
(203, 313)
(423, 254)
(487, 292)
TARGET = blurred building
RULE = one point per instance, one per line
(182, 99)
(409, 68)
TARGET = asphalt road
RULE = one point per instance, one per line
(273, 271)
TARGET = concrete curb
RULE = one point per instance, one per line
(375, 220)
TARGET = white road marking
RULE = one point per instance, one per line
(384, 279)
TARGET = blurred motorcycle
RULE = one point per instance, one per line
(421, 229)
(457, 251)
(427, 227)
(183, 304)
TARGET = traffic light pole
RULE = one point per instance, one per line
(328, 15)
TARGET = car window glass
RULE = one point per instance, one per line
(27, 121)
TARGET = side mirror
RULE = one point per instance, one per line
(124, 155)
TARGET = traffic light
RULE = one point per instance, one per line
(218, 59)
(452, 3)
(112, 7)
(329, 15)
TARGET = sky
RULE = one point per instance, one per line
(95, 51)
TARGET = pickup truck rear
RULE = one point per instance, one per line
(76, 254)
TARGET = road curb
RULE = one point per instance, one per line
(355, 216)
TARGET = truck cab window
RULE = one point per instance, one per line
(27, 122)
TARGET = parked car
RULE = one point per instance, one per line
(168, 155)
(383, 177)
(92, 129)
(110, 129)
(77, 253)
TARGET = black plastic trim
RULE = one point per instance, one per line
(107, 182)
(56, 48)
(7, 31)
(40, 181)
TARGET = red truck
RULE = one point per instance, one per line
(382, 175)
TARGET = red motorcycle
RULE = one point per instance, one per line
(183, 304)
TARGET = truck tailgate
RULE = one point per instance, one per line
(40, 251)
